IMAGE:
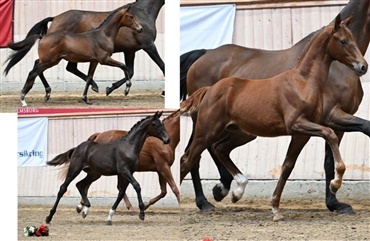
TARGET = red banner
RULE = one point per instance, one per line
(6, 26)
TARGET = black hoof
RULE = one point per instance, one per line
(108, 91)
(205, 206)
(78, 210)
(108, 223)
(48, 219)
(95, 87)
(87, 101)
(341, 208)
(47, 97)
(217, 193)
(142, 216)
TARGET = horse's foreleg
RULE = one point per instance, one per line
(92, 68)
(129, 61)
(295, 147)
(342, 121)
(72, 67)
(152, 51)
(111, 62)
(121, 191)
(332, 202)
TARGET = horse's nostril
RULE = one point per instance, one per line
(364, 68)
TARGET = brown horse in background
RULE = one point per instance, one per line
(94, 46)
(209, 66)
(77, 21)
(154, 157)
(291, 103)
(119, 157)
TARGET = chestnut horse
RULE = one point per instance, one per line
(290, 103)
(94, 46)
(77, 21)
(233, 60)
(119, 157)
(154, 157)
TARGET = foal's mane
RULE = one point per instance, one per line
(139, 123)
(114, 12)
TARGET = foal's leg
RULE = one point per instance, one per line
(72, 67)
(295, 147)
(121, 191)
(222, 150)
(332, 202)
(82, 187)
(129, 61)
(303, 126)
(73, 172)
(111, 62)
(38, 68)
(92, 68)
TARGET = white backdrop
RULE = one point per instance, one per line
(206, 26)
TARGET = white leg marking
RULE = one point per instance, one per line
(224, 191)
(110, 215)
(241, 182)
(85, 211)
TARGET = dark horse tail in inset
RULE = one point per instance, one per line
(186, 60)
(193, 102)
(21, 48)
(63, 158)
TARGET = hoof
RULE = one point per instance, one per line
(132, 212)
(78, 209)
(219, 192)
(142, 216)
(207, 207)
(108, 222)
(47, 219)
(234, 198)
(278, 219)
(95, 87)
(126, 92)
(47, 97)
(108, 91)
(87, 101)
(83, 215)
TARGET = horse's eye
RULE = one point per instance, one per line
(343, 42)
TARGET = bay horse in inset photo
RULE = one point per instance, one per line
(209, 66)
(154, 157)
(290, 103)
(77, 21)
(119, 157)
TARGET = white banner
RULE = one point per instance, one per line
(32, 141)
(206, 26)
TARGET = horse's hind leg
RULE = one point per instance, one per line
(163, 193)
(295, 147)
(72, 67)
(129, 61)
(82, 187)
(38, 68)
(46, 86)
(111, 62)
(92, 68)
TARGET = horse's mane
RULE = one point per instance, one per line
(171, 116)
(112, 13)
(136, 126)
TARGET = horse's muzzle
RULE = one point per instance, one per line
(360, 68)
(139, 30)
(166, 140)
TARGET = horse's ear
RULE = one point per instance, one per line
(160, 113)
(338, 20)
(348, 20)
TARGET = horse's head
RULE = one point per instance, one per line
(343, 47)
(157, 129)
(129, 20)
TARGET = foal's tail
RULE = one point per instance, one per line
(21, 48)
(193, 102)
(63, 158)
(186, 60)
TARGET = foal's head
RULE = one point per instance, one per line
(157, 129)
(343, 47)
(129, 20)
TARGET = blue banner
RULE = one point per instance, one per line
(32, 141)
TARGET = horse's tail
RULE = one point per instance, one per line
(21, 48)
(63, 158)
(193, 102)
(93, 136)
(186, 60)
(17, 55)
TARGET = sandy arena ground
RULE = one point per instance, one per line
(247, 220)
